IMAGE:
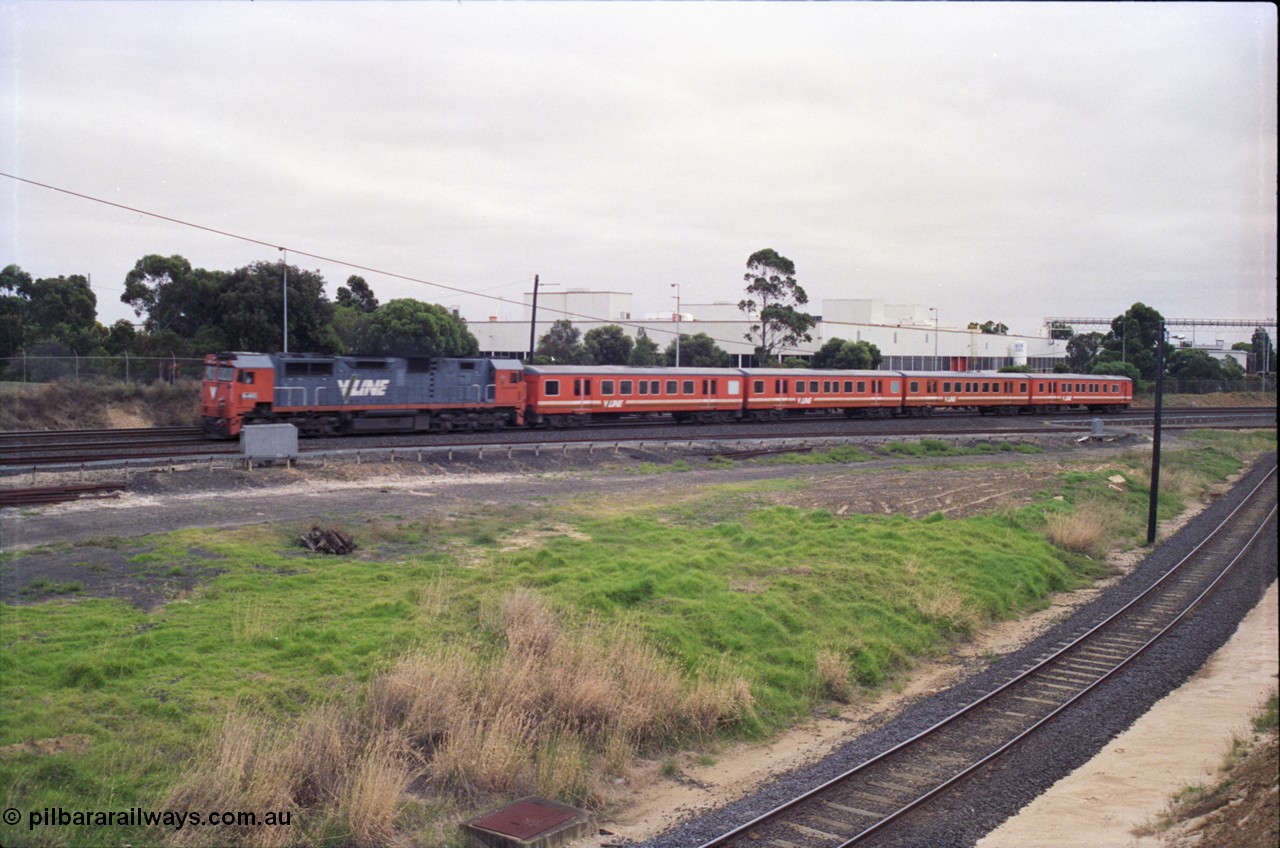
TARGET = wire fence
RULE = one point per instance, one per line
(178, 369)
(101, 369)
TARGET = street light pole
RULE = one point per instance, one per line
(533, 319)
(934, 310)
(676, 286)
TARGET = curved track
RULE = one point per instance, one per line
(871, 800)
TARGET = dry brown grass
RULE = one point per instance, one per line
(835, 681)
(551, 713)
(1084, 530)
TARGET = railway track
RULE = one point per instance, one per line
(874, 802)
(29, 449)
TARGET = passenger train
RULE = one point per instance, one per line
(331, 395)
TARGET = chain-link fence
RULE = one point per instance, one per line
(111, 369)
(1261, 384)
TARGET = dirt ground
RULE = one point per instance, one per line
(107, 563)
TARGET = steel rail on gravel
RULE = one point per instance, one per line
(788, 816)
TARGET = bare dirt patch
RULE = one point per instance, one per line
(955, 493)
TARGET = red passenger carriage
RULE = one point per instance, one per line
(572, 395)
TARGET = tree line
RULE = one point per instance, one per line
(186, 312)
(1131, 349)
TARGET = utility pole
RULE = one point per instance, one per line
(1155, 440)
(533, 320)
(284, 266)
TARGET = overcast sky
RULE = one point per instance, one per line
(997, 161)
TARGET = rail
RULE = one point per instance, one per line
(840, 812)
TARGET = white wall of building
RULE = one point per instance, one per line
(910, 339)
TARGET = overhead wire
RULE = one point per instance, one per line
(341, 262)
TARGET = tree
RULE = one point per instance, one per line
(563, 345)
(408, 327)
(176, 297)
(609, 345)
(1082, 351)
(1193, 364)
(356, 295)
(845, 355)
(700, 351)
(1264, 353)
(1116, 368)
(1134, 338)
(251, 306)
(352, 328)
(771, 301)
(991, 328)
(61, 309)
(1060, 330)
(645, 351)
(14, 303)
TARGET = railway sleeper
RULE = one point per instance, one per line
(856, 811)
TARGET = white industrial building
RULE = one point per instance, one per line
(906, 334)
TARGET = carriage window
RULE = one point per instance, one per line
(946, 387)
(625, 387)
(734, 388)
(644, 387)
(757, 386)
(606, 387)
(687, 387)
(848, 386)
(654, 387)
(862, 387)
(672, 387)
(895, 386)
(915, 386)
(551, 388)
(715, 387)
(986, 387)
(246, 377)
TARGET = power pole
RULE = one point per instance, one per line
(1155, 440)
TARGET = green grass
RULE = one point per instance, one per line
(844, 454)
(710, 577)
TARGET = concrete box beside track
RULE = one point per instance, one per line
(269, 441)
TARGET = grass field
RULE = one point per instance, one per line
(449, 664)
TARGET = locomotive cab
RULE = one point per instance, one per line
(234, 386)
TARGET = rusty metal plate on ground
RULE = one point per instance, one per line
(524, 819)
